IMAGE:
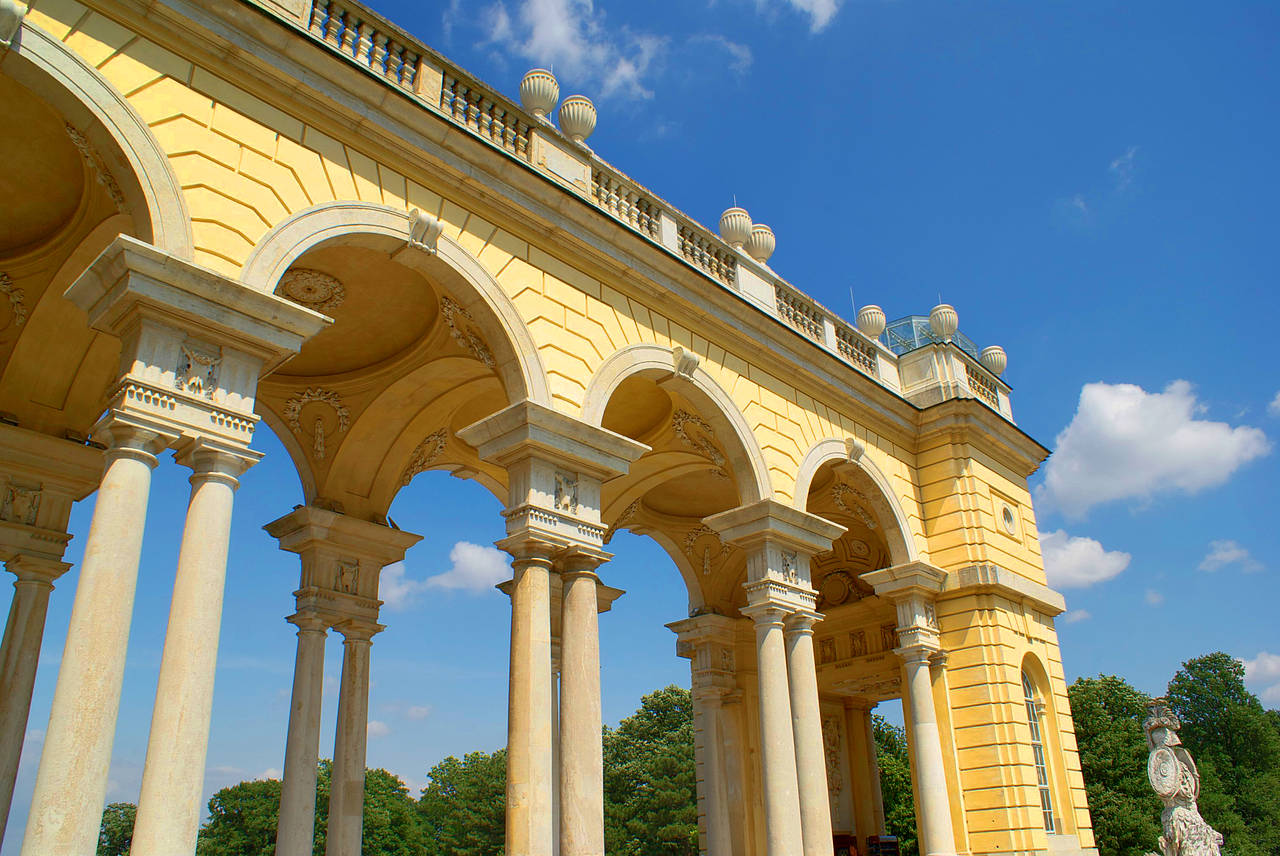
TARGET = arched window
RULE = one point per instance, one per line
(1035, 709)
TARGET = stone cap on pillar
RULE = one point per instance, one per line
(907, 579)
(913, 588)
(308, 525)
(41, 477)
(605, 595)
(775, 522)
(527, 429)
(131, 280)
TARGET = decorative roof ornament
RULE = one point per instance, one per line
(577, 118)
(994, 359)
(944, 321)
(1175, 779)
(735, 227)
(871, 321)
(761, 243)
(539, 92)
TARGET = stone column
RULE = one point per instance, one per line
(530, 774)
(19, 655)
(173, 776)
(346, 791)
(71, 784)
(864, 773)
(936, 834)
(777, 749)
(706, 712)
(806, 718)
(295, 832)
(581, 753)
(873, 772)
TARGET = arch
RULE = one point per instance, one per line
(98, 110)
(747, 457)
(519, 365)
(902, 548)
(1042, 721)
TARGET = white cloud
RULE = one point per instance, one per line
(1077, 562)
(378, 728)
(1153, 597)
(571, 36)
(1224, 553)
(1075, 616)
(1122, 168)
(740, 56)
(270, 773)
(475, 569)
(1127, 443)
(1263, 671)
(397, 591)
(1274, 407)
(820, 12)
(418, 711)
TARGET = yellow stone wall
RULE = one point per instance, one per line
(246, 165)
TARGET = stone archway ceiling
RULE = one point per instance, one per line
(377, 397)
(862, 548)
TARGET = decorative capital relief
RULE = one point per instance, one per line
(312, 289)
(17, 298)
(96, 165)
(424, 455)
(684, 362)
(460, 322)
(11, 14)
(197, 370)
(318, 430)
(424, 231)
(682, 421)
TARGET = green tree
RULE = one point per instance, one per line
(463, 806)
(1236, 746)
(895, 783)
(651, 806)
(242, 820)
(1108, 715)
(116, 833)
(391, 825)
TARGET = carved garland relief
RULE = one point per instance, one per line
(710, 555)
(332, 401)
(455, 316)
(98, 167)
(624, 518)
(17, 298)
(424, 455)
(682, 421)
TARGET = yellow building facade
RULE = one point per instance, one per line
(225, 212)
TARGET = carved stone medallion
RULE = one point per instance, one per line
(312, 289)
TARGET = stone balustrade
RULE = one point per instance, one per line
(370, 41)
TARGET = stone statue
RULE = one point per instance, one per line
(1176, 781)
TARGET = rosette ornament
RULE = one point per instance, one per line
(994, 359)
(577, 118)
(761, 243)
(944, 321)
(871, 321)
(735, 227)
(539, 92)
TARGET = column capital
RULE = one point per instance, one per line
(36, 569)
(767, 613)
(310, 620)
(129, 435)
(358, 630)
(802, 621)
(210, 460)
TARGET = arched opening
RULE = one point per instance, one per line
(1041, 712)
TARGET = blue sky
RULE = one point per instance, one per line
(1091, 184)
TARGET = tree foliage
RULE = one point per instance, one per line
(895, 783)
(651, 806)
(1108, 715)
(463, 806)
(116, 833)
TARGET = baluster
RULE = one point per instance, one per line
(333, 26)
(380, 55)
(319, 12)
(350, 32)
(460, 104)
(364, 44)
(473, 109)
(409, 70)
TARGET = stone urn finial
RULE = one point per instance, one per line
(944, 321)
(539, 92)
(735, 227)
(577, 118)
(871, 321)
(994, 359)
(761, 243)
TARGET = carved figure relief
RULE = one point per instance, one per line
(312, 289)
(710, 555)
(332, 402)
(424, 455)
(1175, 779)
(17, 298)
(826, 651)
(726, 660)
(197, 372)
(888, 637)
(566, 498)
(682, 421)
(457, 318)
(858, 643)
(99, 168)
(930, 616)
(349, 576)
(789, 571)
(20, 504)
